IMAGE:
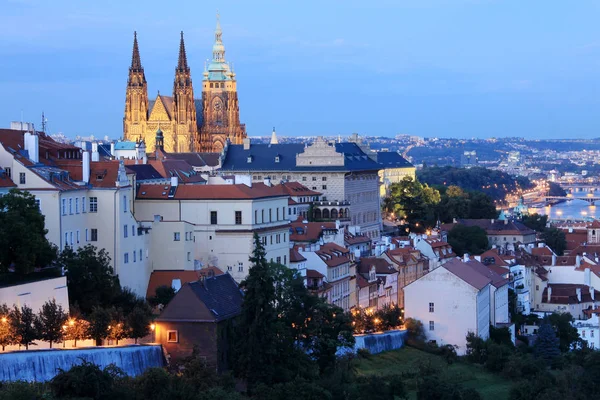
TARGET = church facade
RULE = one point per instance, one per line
(187, 124)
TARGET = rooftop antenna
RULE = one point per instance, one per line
(44, 123)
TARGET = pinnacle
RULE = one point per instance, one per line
(182, 64)
(136, 62)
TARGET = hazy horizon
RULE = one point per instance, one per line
(429, 68)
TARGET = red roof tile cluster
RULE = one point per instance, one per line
(309, 232)
(567, 294)
(166, 277)
(295, 255)
(295, 189)
(382, 267)
(206, 192)
(103, 174)
(333, 255)
(5, 181)
(350, 239)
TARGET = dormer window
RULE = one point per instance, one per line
(276, 159)
(249, 160)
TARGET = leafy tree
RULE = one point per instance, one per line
(99, 320)
(22, 234)
(50, 321)
(377, 388)
(554, 189)
(77, 329)
(90, 278)
(497, 356)
(555, 239)
(547, 345)
(413, 201)
(468, 239)
(138, 322)
(116, 329)
(566, 332)
(501, 336)
(536, 222)
(7, 334)
(164, 294)
(481, 206)
(476, 349)
(23, 324)
(85, 381)
(415, 330)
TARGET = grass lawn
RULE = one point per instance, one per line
(491, 387)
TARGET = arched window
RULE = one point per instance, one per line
(334, 213)
(317, 214)
(325, 213)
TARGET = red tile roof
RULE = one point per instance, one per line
(333, 255)
(295, 189)
(350, 239)
(5, 181)
(311, 273)
(103, 174)
(206, 192)
(166, 277)
(306, 232)
(567, 294)
(381, 265)
(295, 255)
(464, 271)
(542, 251)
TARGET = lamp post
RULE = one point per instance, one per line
(153, 328)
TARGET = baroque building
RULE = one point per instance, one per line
(187, 124)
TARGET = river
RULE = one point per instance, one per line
(571, 209)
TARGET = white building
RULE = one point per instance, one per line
(589, 330)
(451, 301)
(437, 250)
(224, 219)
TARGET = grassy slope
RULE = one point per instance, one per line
(491, 387)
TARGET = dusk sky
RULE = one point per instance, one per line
(446, 68)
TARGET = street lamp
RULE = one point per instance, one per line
(152, 328)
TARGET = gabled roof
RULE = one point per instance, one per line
(220, 294)
(295, 255)
(205, 192)
(198, 159)
(496, 279)
(295, 189)
(350, 239)
(333, 255)
(567, 294)
(5, 181)
(382, 266)
(392, 159)
(308, 231)
(542, 251)
(103, 174)
(466, 273)
(127, 145)
(145, 172)
(263, 158)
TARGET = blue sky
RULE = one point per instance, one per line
(445, 68)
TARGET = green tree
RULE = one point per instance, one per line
(99, 320)
(23, 234)
(138, 322)
(547, 345)
(117, 329)
(454, 203)
(50, 321)
(481, 206)
(90, 278)
(413, 201)
(7, 334)
(566, 332)
(415, 330)
(85, 381)
(555, 239)
(536, 222)
(164, 294)
(23, 325)
(77, 329)
(468, 239)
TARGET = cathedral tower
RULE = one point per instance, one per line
(220, 108)
(184, 106)
(136, 98)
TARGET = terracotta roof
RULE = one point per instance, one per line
(469, 274)
(49, 150)
(165, 278)
(350, 239)
(5, 181)
(333, 255)
(103, 174)
(205, 192)
(495, 227)
(304, 232)
(295, 189)
(311, 273)
(496, 279)
(295, 255)
(491, 257)
(567, 294)
(541, 251)
(361, 282)
(381, 265)
(595, 224)
(436, 243)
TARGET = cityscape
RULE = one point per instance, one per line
(189, 254)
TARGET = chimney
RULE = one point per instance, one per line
(553, 259)
(587, 276)
(85, 165)
(592, 293)
(32, 145)
(267, 181)
(578, 291)
(466, 257)
(577, 260)
(549, 293)
(95, 154)
(478, 258)
(174, 181)
(145, 159)
(493, 220)
(246, 143)
(505, 222)
(112, 149)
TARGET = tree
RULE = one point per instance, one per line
(23, 325)
(415, 330)
(567, 334)
(547, 345)
(481, 206)
(85, 381)
(116, 329)
(468, 239)
(77, 329)
(50, 321)
(90, 278)
(476, 349)
(413, 201)
(555, 239)
(7, 334)
(536, 222)
(138, 322)
(99, 320)
(164, 294)
(23, 234)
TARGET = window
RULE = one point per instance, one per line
(125, 203)
(87, 235)
(134, 256)
(213, 217)
(324, 187)
(38, 204)
(303, 179)
(256, 216)
(431, 325)
(314, 178)
(173, 336)
(284, 260)
(238, 217)
(8, 171)
(93, 204)
(76, 205)
(125, 230)
(78, 236)
(262, 216)
(324, 179)
(140, 254)
(94, 233)
(583, 333)
(277, 214)
(270, 215)
(132, 230)
(431, 307)
(189, 256)
(176, 236)
(278, 260)
(22, 178)
(70, 206)
(83, 204)
(126, 258)
(71, 238)
(229, 268)
(240, 267)
(66, 239)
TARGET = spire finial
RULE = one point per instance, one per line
(136, 62)
(218, 48)
(182, 64)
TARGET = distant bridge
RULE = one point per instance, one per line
(590, 199)
(581, 187)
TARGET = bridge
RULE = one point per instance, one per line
(590, 199)
(581, 187)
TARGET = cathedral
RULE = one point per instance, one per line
(187, 124)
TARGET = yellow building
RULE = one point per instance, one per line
(394, 169)
(188, 124)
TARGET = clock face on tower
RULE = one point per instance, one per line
(217, 106)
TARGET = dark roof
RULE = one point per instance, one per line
(392, 159)
(104, 150)
(566, 293)
(496, 279)
(470, 275)
(220, 294)
(145, 172)
(198, 159)
(381, 266)
(263, 158)
(496, 227)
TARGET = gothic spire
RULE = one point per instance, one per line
(218, 48)
(136, 62)
(182, 64)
